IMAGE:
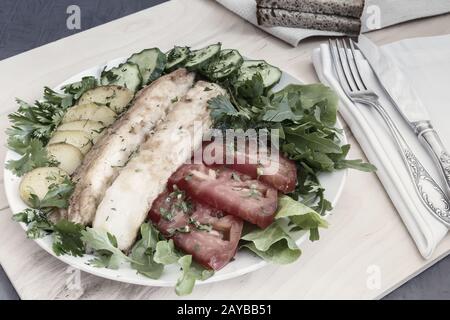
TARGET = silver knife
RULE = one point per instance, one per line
(405, 99)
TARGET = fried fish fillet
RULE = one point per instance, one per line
(128, 200)
(104, 161)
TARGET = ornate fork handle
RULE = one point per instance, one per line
(430, 193)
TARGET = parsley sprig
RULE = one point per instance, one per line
(33, 124)
(66, 235)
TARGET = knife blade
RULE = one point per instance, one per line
(402, 95)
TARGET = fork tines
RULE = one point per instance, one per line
(343, 55)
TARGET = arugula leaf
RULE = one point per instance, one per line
(67, 238)
(312, 96)
(190, 273)
(357, 164)
(340, 161)
(305, 116)
(57, 196)
(314, 141)
(34, 156)
(105, 246)
(77, 89)
(143, 253)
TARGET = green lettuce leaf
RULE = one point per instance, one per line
(165, 252)
(273, 244)
(301, 216)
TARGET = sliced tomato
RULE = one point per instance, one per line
(197, 229)
(268, 167)
(228, 190)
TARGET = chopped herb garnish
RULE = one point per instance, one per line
(166, 214)
(200, 226)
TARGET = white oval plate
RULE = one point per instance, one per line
(244, 262)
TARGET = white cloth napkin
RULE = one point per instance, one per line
(377, 14)
(425, 62)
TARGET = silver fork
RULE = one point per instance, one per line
(343, 56)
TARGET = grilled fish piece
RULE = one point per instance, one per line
(128, 200)
(104, 161)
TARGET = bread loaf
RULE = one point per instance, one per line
(347, 8)
(294, 19)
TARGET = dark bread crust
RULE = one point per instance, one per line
(293, 19)
(347, 8)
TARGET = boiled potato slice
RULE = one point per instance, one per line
(68, 156)
(90, 111)
(115, 97)
(78, 139)
(93, 128)
(38, 181)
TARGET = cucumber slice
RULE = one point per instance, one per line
(227, 62)
(125, 75)
(271, 75)
(176, 57)
(151, 63)
(199, 58)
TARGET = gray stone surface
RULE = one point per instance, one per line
(7, 291)
(26, 24)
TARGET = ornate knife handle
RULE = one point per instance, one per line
(428, 190)
(429, 137)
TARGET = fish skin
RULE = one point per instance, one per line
(128, 200)
(104, 161)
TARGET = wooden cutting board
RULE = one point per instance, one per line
(365, 253)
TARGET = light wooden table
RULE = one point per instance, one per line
(366, 238)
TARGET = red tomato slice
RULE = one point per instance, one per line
(281, 173)
(229, 191)
(197, 229)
